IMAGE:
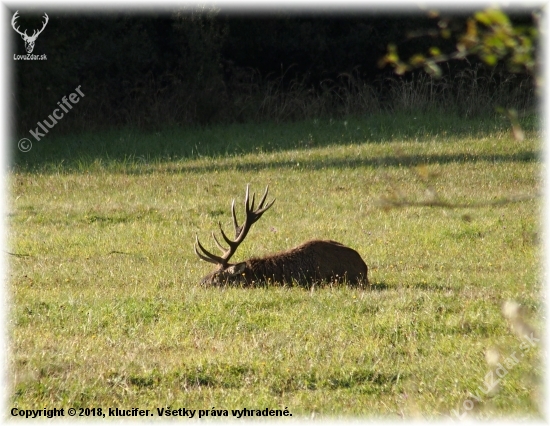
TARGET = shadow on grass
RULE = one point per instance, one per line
(127, 149)
(236, 164)
(351, 163)
(306, 286)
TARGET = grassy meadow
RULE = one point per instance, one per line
(107, 311)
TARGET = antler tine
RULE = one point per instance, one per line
(207, 256)
(44, 24)
(262, 209)
(235, 223)
(36, 33)
(253, 201)
(15, 16)
(263, 197)
(222, 248)
(246, 206)
(226, 238)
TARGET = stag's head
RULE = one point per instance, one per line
(29, 40)
(227, 272)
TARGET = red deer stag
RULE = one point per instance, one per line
(313, 261)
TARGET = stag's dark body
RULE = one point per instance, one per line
(313, 261)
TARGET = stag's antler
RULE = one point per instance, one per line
(252, 216)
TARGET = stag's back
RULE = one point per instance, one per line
(314, 260)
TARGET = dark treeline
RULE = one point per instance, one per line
(195, 68)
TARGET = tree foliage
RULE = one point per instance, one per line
(202, 66)
(489, 34)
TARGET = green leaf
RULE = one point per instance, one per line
(490, 59)
(401, 69)
(417, 60)
(492, 17)
(483, 18)
(432, 68)
(498, 17)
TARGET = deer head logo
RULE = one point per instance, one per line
(29, 40)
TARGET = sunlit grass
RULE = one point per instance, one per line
(107, 310)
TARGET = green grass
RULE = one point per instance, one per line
(107, 311)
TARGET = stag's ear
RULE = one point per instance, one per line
(236, 269)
